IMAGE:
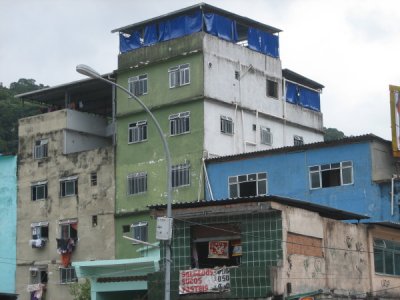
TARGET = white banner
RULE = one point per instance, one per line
(204, 281)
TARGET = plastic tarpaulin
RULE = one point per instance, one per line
(150, 35)
(302, 96)
(179, 26)
(127, 43)
(221, 27)
(263, 42)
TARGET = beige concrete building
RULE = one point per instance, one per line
(65, 199)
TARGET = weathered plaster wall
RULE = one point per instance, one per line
(95, 242)
(8, 222)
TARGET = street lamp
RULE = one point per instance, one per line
(88, 71)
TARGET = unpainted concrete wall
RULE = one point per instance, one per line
(95, 241)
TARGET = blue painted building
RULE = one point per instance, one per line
(8, 221)
(355, 174)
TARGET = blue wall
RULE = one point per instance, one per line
(8, 221)
(288, 176)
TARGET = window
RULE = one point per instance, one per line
(126, 228)
(216, 245)
(248, 185)
(265, 136)
(179, 75)
(69, 186)
(329, 175)
(137, 132)
(138, 85)
(137, 183)
(139, 231)
(39, 190)
(272, 88)
(179, 123)
(226, 125)
(93, 179)
(69, 230)
(387, 257)
(180, 175)
(298, 140)
(40, 234)
(94, 221)
(40, 230)
(40, 149)
(68, 275)
(38, 275)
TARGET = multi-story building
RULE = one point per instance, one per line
(214, 81)
(65, 188)
(270, 247)
(8, 223)
(356, 174)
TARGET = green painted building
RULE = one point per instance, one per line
(214, 81)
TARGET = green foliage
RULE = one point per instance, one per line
(12, 109)
(331, 134)
(80, 291)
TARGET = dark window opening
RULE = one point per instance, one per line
(272, 88)
(126, 228)
(94, 221)
(69, 231)
(93, 179)
(216, 245)
(330, 178)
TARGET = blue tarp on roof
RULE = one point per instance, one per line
(221, 27)
(302, 96)
(150, 35)
(263, 42)
(179, 26)
(127, 43)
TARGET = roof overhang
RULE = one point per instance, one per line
(95, 95)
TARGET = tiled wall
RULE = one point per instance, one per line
(261, 236)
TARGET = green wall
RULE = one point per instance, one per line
(159, 93)
(149, 156)
(124, 248)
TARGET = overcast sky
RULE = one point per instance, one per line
(349, 46)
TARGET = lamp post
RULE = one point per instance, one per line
(88, 71)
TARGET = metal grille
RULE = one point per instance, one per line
(180, 175)
(138, 85)
(40, 149)
(266, 136)
(67, 275)
(179, 123)
(137, 183)
(137, 132)
(226, 125)
(179, 75)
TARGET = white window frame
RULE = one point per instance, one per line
(180, 175)
(136, 183)
(36, 229)
(179, 123)
(315, 171)
(179, 75)
(67, 275)
(67, 181)
(260, 178)
(138, 85)
(137, 132)
(266, 137)
(35, 275)
(298, 140)
(140, 232)
(68, 223)
(226, 125)
(40, 149)
(35, 186)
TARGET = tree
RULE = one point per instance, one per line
(12, 109)
(80, 291)
(331, 134)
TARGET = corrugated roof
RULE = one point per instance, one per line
(289, 149)
(96, 95)
(205, 8)
(293, 76)
(324, 211)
